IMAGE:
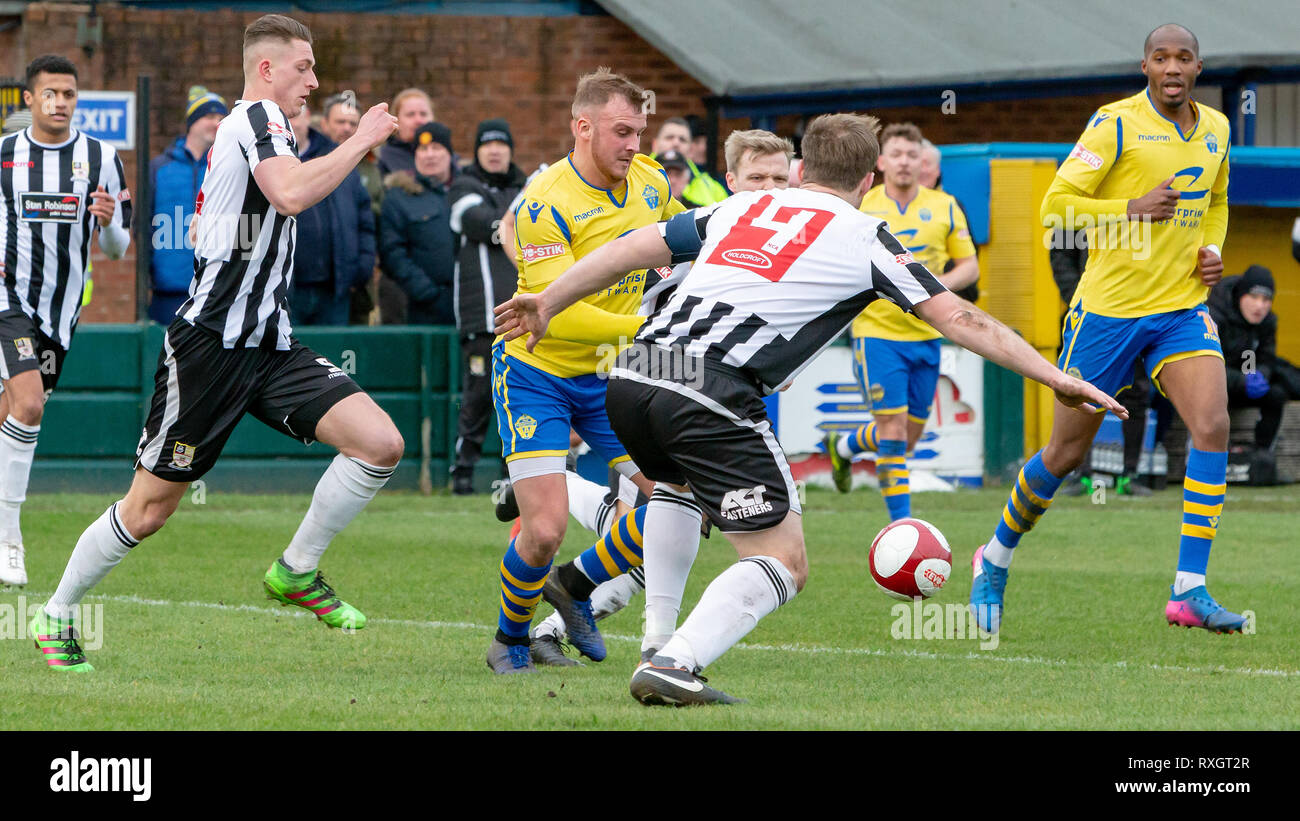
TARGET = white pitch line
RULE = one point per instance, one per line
(1038, 661)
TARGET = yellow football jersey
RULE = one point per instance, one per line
(1138, 268)
(563, 218)
(934, 229)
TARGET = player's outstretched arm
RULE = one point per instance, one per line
(293, 186)
(532, 313)
(976, 331)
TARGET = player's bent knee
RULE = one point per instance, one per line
(386, 450)
(28, 410)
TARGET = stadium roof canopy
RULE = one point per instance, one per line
(764, 56)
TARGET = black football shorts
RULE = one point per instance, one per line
(202, 390)
(26, 348)
(711, 433)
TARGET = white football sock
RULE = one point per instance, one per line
(998, 554)
(17, 447)
(347, 486)
(587, 503)
(1184, 581)
(730, 607)
(672, 538)
(842, 447)
(98, 551)
(612, 596)
(607, 599)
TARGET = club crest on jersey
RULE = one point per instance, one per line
(651, 196)
(25, 349)
(80, 172)
(924, 214)
(182, 456)
(526, 426)
(1212, 143)
(536, 252)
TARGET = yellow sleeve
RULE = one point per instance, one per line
(672, 208)
(585, 323)
(1078, 177)
(543, 242)
(1216, 216)
(960, 245)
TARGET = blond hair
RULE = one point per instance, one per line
(760, 142)
(406, 94)
(840, 150)
(275, 27)
(602, 85)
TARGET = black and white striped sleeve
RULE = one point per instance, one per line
(684, 233)
(272, 136)
(115, 237)
(896, 276)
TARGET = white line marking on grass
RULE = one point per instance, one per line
(1038, 661)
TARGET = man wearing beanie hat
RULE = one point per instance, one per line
(176, 175)
(1242, 308)
(415, 242)
(485, 277)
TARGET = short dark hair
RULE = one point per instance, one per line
(49, 64)
(1146, 44)
(840, 150)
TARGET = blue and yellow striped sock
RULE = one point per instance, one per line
(891, 470)
(521, 590)
(618, 551)
(1030, 498)
(863, 440)
(1203, 489)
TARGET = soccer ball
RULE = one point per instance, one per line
(910, 558)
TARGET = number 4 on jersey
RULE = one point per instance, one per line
(769, 238)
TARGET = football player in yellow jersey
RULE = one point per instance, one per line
(896, 355)
(602, 190)
(1148, 180)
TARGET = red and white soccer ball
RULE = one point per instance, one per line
(910, 558)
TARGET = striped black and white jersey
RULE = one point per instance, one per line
(46, 224)
(777, 276)
(243, 252)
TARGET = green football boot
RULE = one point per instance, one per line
(311, 592)
(57, 641)
(841, 468)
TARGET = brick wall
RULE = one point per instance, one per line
(521, 68)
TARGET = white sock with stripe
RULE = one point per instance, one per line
(347, 486)
(17, 447)
(101, 547)
(672, 539)
(731, 606)
(587, 503)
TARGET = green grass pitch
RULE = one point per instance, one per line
(190, 642)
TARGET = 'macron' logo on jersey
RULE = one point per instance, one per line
(741, 504)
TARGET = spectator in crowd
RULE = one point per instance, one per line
(931, 158)
(415, 242)
(678, 170)
(340, 121)
(1242, 308)
(175, 178)
(412, 108)
(485, 277)
(1068, 257)
(704, 189)
(335, 248)
(700, 189)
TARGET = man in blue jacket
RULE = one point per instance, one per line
(176, 176)
(417, 249)
(335, 250)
